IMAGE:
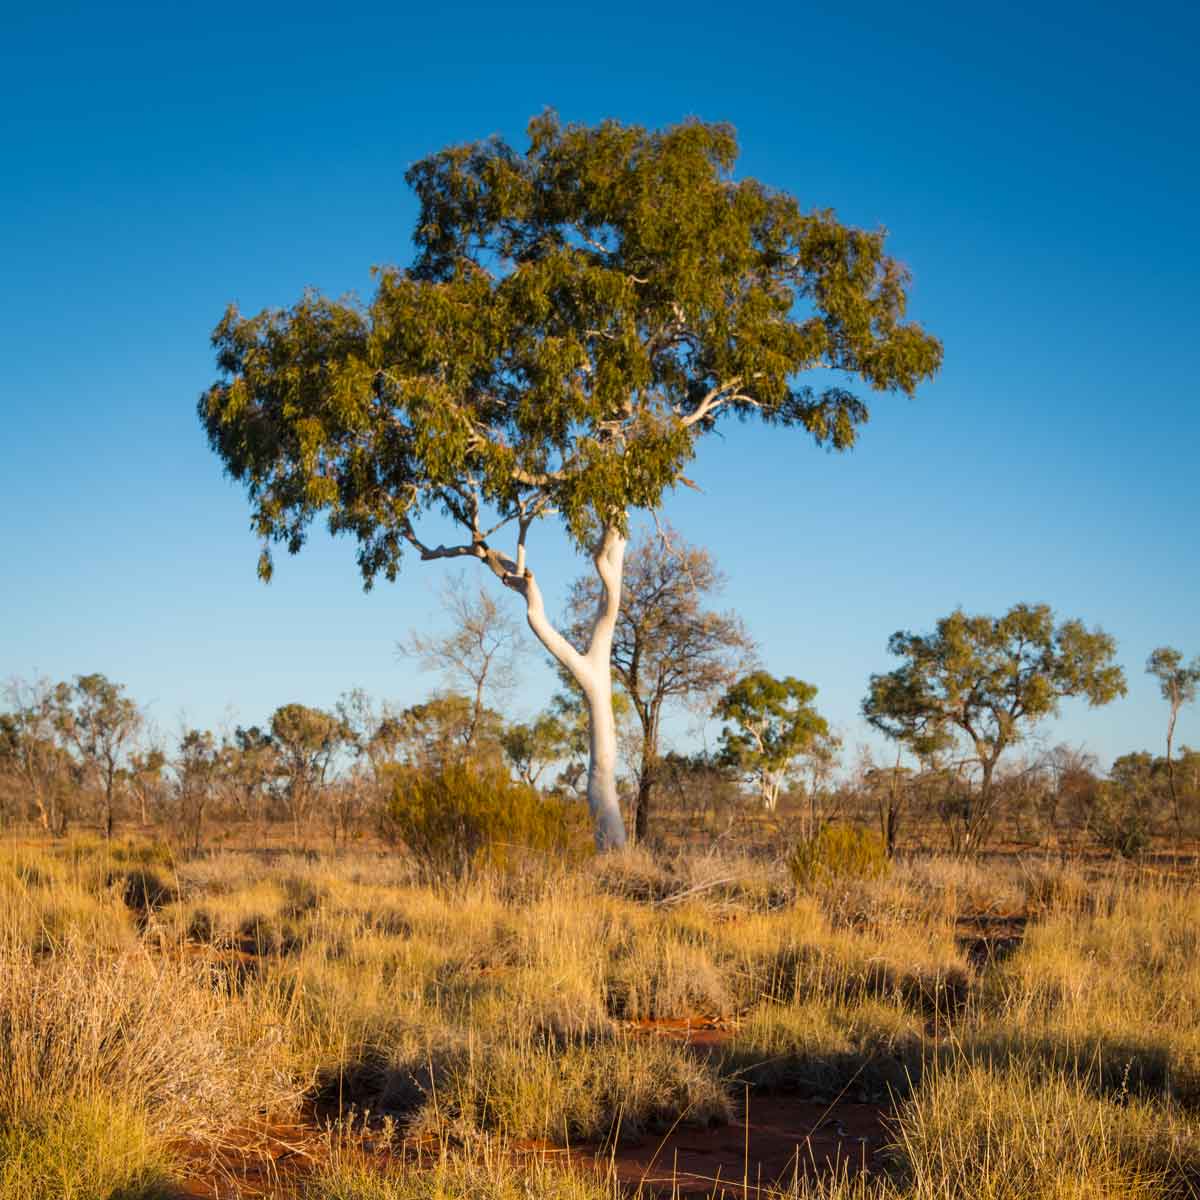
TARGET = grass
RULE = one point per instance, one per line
(82, 1149)
(164, 1010)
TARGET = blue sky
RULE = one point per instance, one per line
(1038, 173)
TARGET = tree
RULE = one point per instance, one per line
(144, 777)
(99, 721)
(1072, 783)
(196, 766)
(770, 724)
(532, 747)
(576, 318)
(33, 738)
(901, 717)
(248, 764)
(667, 648)
(990, 679)
(305, 741)
(1178, 686)
(478, 651)
(705, 789)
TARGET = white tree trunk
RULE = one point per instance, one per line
(592, 671)
(603, 800)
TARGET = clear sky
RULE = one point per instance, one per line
(1037, 167)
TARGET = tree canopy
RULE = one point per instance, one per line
(990, 679)
(575, 317)
(771, 724)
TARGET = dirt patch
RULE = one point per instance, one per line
(989, 938)
(702, 1034)
(782, 1139)
(773, 1141)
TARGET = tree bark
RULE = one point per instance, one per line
(592, 671)
(1171, 777)
(641, 824)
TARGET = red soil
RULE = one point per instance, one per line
(784, 1137)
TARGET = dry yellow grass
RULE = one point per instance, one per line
(195, 1000)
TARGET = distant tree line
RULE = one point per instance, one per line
(960, 712)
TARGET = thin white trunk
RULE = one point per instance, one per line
(592, 671)
(603, 801)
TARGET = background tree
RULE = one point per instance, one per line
(196, 766)
(532, 747)
(1072, 778)
(899, 714)
(248, 763)
(990, 679)
(667, 648)
(479, 652)
(100, 722)
(703, 787)
(577, 316)
(1178, 683)
(33, 737)
(145, 778)
(770, 724)
(305, 741)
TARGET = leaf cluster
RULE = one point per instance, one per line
(990, 678)
(575, 317)
(770, 722)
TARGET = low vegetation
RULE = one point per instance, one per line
(156, 1012)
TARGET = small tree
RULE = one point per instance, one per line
(577, 317)
(305, 741)
(477, 654)
(145, 779)
(1178, 684)
(35, 749)
(900, 715)
(100, 722)
(196, 766)
(771, 725)
(248, 764)
(667, 648)
(990, 679)
(534, 746)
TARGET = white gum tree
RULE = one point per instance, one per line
(576, 316)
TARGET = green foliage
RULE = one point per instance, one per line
(1177, 682)
(989, 678)
(987, 675)
(461, 816)
(534, 746)
(1120, 816)
(837, 852)
(575, 318)
(772, 722)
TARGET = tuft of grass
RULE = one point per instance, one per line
(977, 1134)
(79, 1024)
(85, 1148)
(866, 1052)
(564, 1093)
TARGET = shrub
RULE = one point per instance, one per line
(461, 817)
(1120, 823)
(837, 852)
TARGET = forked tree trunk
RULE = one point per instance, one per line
(592, 670)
